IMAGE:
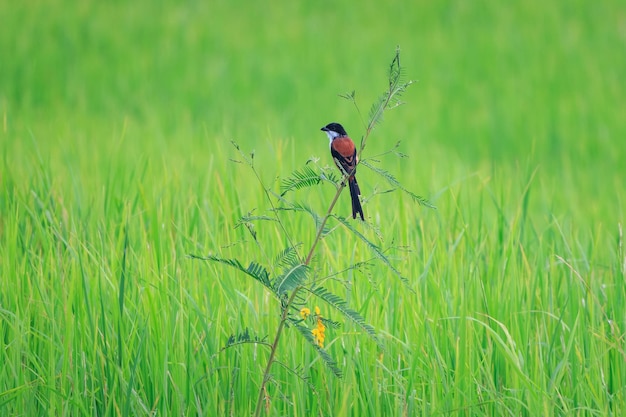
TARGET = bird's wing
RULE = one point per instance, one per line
(345, 162)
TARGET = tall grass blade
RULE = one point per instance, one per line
(122, 286)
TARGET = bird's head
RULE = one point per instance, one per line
(334, 130)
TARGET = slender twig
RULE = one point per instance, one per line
(250, 162)
(269, 198)
(323, 223)
(287, 306)
(270, 361)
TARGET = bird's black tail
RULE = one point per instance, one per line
(354, 195)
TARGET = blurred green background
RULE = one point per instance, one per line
(498, 83)
(116, 122)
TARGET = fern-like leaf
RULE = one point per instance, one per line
(303, 178)
(390, 98)
(377, 109)
(288, 256)
(316, 217)
(294, 275)
(290, 206)
(342, 306)
(395, 183)
(308, 336)
(254, 270)
(330, 174)
(259, 272)
(244, 337)
(374, 248)
(349, 96)
(250, 218)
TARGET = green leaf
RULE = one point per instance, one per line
(287, 257)
(377, 109)
(342, 306)
(316, 217)
(290, 206)
(244, 337)
(305, 177)
(308, 336)
(293, 276)
(259, 272)
(349, 96)
(254, 270)
(250, 218)
(390, 98)
(374, 248)
(395, 183)
(395, 71)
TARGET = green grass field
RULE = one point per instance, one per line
(116, 165)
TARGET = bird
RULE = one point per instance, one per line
(344, 153)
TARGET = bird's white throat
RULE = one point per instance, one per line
(332, 135)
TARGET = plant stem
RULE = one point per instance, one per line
(283, 317)
(321, 228)
(270, 361)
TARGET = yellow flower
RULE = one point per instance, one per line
(319, 336)
(305, 312)
(318, 332)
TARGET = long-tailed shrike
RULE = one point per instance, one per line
(344, 153)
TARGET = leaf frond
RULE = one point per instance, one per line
(330, 323)
(300, 373)
(395, 183)
(287, 256)
(378, 254)
(302, 178)
(330, 174)
(259, 272)
(342, 306)
(308, 336)
(349, 96)
(391, 97)
(293, 276)
(303, 207)
(250, 218)
(254, 270)
(244, 337)
(316, 217)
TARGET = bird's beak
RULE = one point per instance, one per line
(324, 129)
